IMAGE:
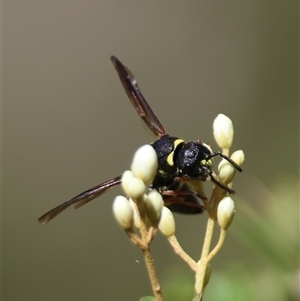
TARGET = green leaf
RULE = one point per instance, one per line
(147, 298)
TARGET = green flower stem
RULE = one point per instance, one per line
(152, 274)
(203, 262)
(178, 249)
(149, 260)
(219, 245)
(136, 240)
(150, 235)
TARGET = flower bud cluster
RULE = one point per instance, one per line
(142, 202)
(224, 133)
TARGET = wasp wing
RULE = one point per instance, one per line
(137, 99)
(81, 199)
(182, 199)
(145, 112)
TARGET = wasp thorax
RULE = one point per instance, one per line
(166, 149)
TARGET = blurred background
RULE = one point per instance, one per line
(67, 125)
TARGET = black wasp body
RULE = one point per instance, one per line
(178, 162)
(177, 159)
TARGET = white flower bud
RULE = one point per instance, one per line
(123, 212)
(133, 187)
(136, 215)
(225, 212)
(238, 157)
(144, 164)
(223, 131)
(154, 205)
(167, 222)
(226, 172)
(126, 178)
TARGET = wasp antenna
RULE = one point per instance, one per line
(221, 185)
(218, 153)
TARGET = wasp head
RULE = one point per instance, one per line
(194, 161)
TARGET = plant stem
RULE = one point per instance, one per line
(178, 249)
(149, 259)
(152, 274)
(203, 262)
(219, 245)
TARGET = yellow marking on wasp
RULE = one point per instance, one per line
(207, 163)
(207, 146)
(170, 158)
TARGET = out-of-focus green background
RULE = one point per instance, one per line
(67, 125)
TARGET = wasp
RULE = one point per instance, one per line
(178, 162)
